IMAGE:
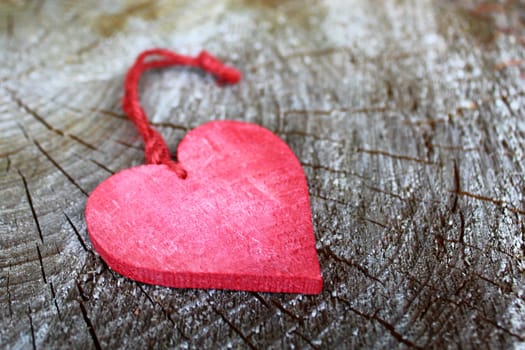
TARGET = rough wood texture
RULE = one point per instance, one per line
(406, 115)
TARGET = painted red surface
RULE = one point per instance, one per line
(240, 220)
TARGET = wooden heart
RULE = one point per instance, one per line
(240, 220)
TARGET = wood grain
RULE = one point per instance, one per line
(407, 117)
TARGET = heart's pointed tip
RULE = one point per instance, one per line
(317, 286)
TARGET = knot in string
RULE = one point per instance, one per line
(223, 74)
(156, 150)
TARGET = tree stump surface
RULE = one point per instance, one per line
(407, 117)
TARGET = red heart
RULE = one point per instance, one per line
(240, 220)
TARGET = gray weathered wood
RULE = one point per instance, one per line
(406, 115)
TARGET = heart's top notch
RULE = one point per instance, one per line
(156, 150)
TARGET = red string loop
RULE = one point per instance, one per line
(156, 150)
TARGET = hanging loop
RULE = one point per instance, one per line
(156, 150)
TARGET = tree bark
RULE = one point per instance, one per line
(407, 117)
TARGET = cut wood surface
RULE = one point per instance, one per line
(407, 117)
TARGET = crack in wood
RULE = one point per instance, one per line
(165, 312)
(10, 153)
(31, 206)
(33, 341)
(55, 163)
(24, 131)
(235, 329)
(457, 187)
(419, 292)
(102, 166)
(389, 327)
(480, 314)
(169, 125)
(129, 145)
(388, 193)
(89, 47)
(329, 199)
(498, 202)
(326, 251)
(375, 222)
(89, 324)
(492, 248)
(521, 338)
(81, 291)
(507, 104)
(8, 164)
(109, 113)
(82, 142)
(285, 311)
(291, 133)
(456, 148)
(43, 121)
(42, 270)
(395, 156)
(77, 234)
(53, 295)
(261, 299)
